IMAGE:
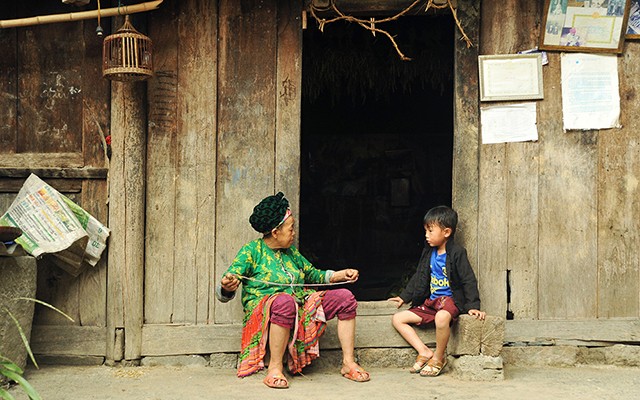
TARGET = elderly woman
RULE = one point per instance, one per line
(280, 312)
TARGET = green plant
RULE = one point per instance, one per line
(11, 370)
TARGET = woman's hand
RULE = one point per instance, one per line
(230, 283)
(399, 302)
(344, 275)
(478, 314)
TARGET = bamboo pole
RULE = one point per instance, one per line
(77, 16)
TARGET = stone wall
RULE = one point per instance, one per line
(17, 279)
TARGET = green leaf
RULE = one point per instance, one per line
(10, 365)
(25, 341)
(46, 305)
(6, 395)
(26, 386)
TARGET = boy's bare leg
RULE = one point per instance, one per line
(443, 331)
(401, 321)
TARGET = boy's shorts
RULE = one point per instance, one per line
(427, 311)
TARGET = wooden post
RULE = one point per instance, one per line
(288, 102)
(126, 218)
(465, 187)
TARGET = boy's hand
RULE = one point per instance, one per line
(230, 283)
(399, 302)
(478, 314)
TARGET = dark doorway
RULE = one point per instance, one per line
(377, 140)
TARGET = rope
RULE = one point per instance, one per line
(370, 24)
(293, 284)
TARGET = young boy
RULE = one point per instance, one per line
(443, 286)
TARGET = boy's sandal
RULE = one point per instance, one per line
(276, 381)
(421, 361)
(433, 367)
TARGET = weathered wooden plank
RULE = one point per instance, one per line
(508, 186)
(126, 221)
(478, 177)
(116, 244)
(618, 207)
(69, 340)
(288, 104)
(95, 99)
(492, 238)
(195, 162)
(376, 331)
(376, 7)
(56, 286)
(59, 289)
(49, 90)
(93, 281)
(133, 190)
(606, 330)
(190, 339)
(161, 171)
(196, 157)
(246, 127)
(65, 186)
(567, 211)
(465, 173)
(71, 173)
(8, 84)
(522, 167)
(42, 160)
(522, 246)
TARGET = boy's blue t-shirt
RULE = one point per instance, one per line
(439, 280)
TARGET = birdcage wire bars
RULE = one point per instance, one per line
(127, 55)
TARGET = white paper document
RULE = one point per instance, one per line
(509, 123)
(590, 91)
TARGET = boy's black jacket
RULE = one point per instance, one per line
(462, 280)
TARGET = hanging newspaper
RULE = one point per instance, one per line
(53, 224)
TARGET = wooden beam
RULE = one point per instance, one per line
(465, 184)
(69, 173)
(126, 219)
(41, 160)
(289, 102)
(69, 340)
(376, 331)
(375, 7)
(624, 330)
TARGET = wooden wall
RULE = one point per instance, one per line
(217, 128)
(223, 132)
(55, 115)
(561, 214)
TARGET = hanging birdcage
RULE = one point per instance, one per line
(127, 55)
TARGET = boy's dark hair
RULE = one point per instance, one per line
(443, 216)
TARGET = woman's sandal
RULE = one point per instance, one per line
(421, 361)
(356, 374)
(276, 381)
(433, 367)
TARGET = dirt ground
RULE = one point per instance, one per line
(197, 382)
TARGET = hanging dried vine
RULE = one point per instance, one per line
(370, 24)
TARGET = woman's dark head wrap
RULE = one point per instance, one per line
(269, 213)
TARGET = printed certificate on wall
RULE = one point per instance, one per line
(510, 77)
